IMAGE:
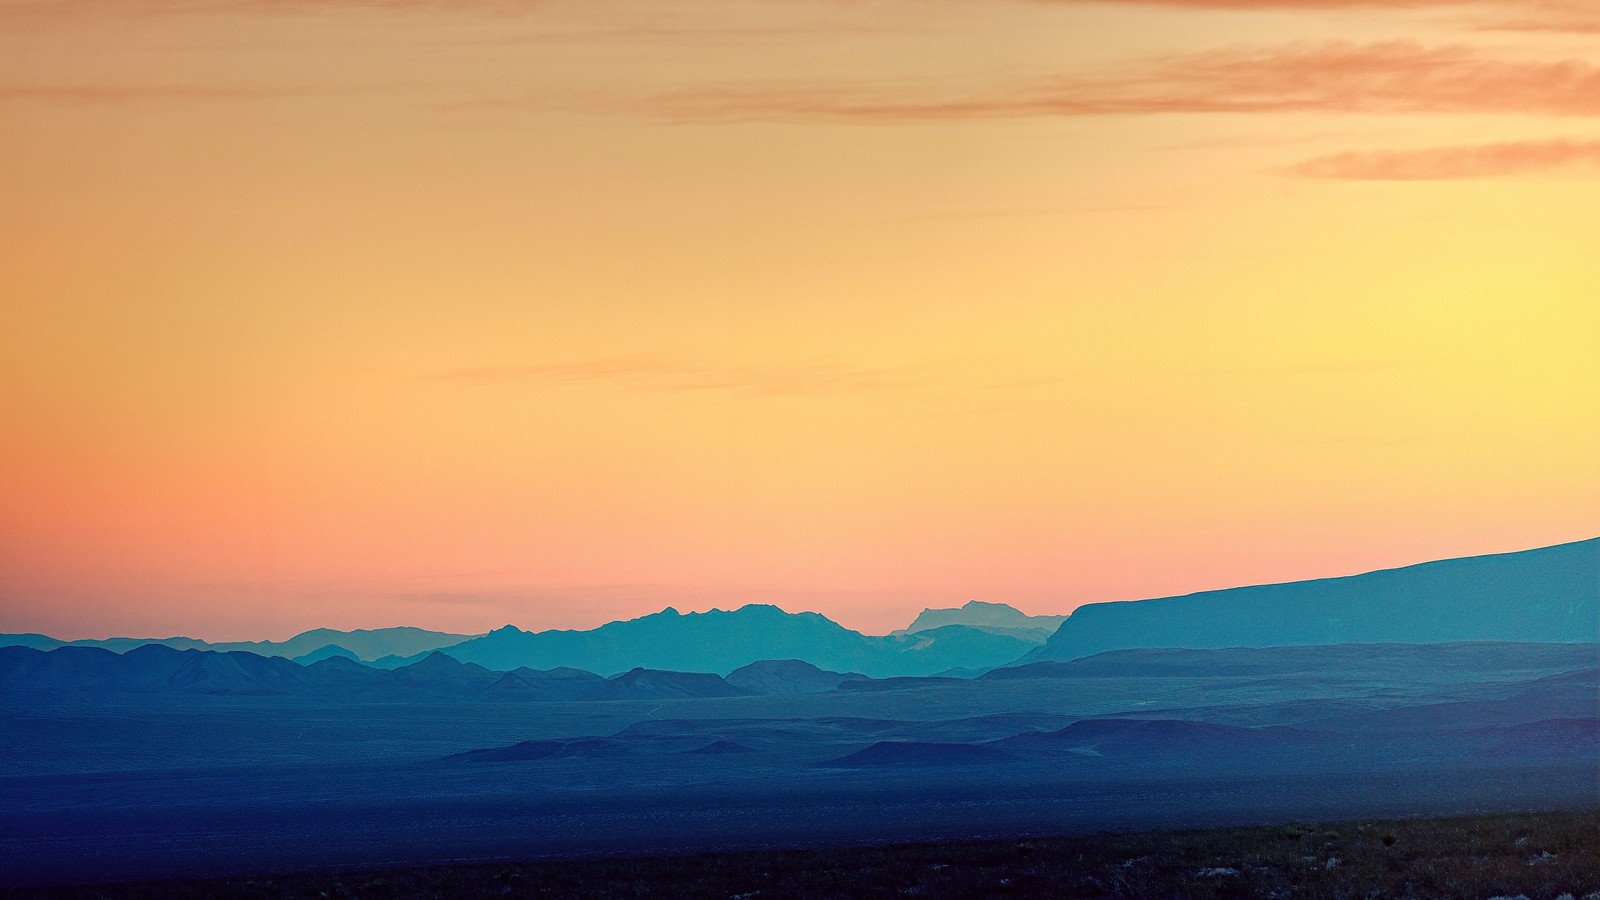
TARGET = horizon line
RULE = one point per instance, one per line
(760, 603)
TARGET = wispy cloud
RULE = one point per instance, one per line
(105, 93)
(1445, 163)
(793, 379)
(69, 9)
(1553, 15)
(1310, 5)
(1378, 78)
(1579, 16)
(1512, 15)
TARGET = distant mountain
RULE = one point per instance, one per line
(114, 644)
(552, 684)
(157, 669)
(998, 618)
(720, 641)
(362, 643)
(652, 684)
(1550, 594)
(31, 640)
(437, 671)
(325, 652)
(916, 754)
(151, 668)
(1138, 737)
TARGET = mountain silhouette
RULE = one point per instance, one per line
(362, 643)
(718, 748)
(1139, 737)
(653, 684)
(551, 684)
(918, 753)
(327, 651)
(1551, 594)
(157, 669)
(787, 676)
(997, 618)
(721, 641)
(440, 671)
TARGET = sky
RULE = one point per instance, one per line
(358, 313)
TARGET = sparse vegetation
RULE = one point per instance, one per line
(1539, 856)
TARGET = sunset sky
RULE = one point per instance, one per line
(454, 314)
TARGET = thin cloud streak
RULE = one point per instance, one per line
(90, 94)
(1453, 163)
(1379, 78)
(1575, 16)
(1512, 15)
(791, 379)
(79, 9)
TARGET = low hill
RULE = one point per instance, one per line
(787, 676)
(1142, 737)
(918, 753)
(653, 684)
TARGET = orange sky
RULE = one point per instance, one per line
(382, 312)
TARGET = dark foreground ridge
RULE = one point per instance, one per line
(1540, 856)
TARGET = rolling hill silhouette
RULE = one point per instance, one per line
(362, 643)
(918, 753)
(787, 676)
(1551, 594)
(1147, 737)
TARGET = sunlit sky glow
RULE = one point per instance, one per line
(454, 314)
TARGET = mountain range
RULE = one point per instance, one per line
(1550, 594)
(362, 643)
(155, 669)
(723, 640)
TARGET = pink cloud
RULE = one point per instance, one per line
(1443, 163)
(1378, 78)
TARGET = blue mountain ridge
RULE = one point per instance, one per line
(1549, 594)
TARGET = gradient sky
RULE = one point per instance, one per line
(453, 314)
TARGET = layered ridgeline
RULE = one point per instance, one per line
(718, 641)
(1548, 595)
(156, 669)
(723, 640)
(308, 646)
